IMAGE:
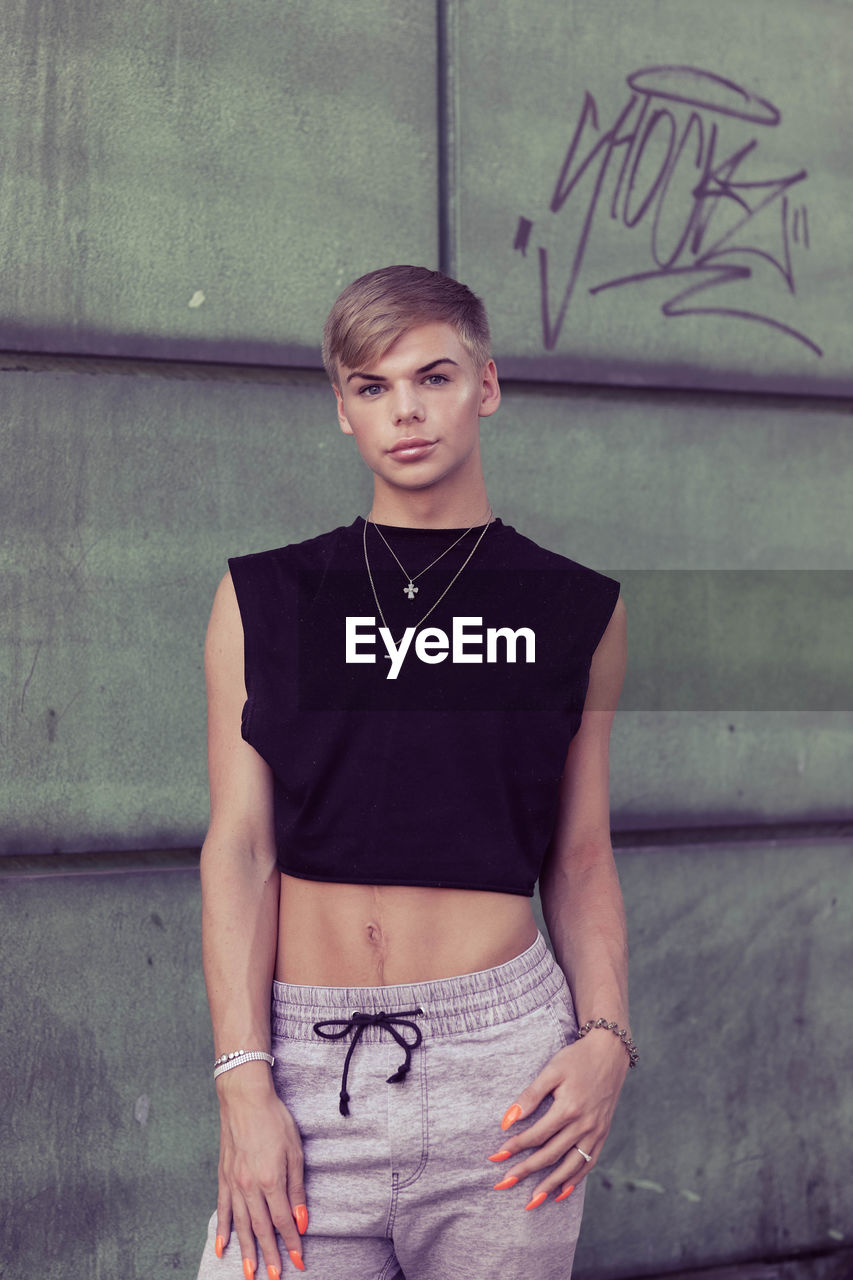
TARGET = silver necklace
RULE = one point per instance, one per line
(450, 583)
(410, 589)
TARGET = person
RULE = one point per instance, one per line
(409, 720)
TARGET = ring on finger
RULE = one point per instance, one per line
(582, 1153)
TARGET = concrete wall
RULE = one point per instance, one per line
(197, 182)
(180, 205)
(656, 193)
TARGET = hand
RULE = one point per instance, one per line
(585, 1079)
(261, 1184)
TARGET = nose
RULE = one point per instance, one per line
(407, 405)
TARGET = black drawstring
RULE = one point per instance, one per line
(358, 1023)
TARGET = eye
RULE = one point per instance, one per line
(370, 390)
(435, 379)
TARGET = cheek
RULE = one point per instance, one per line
(465, 404)
(365, 443)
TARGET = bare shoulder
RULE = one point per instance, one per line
(223, 649)
(225, 613)
(240, 788)
(583, 821)
(607, 671)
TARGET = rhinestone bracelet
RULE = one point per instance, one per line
(228, 1061)
(630, 1048)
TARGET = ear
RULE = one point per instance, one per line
(342, 417)
(490, 390)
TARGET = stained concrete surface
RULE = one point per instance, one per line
(201, 181)
(612, 144)
(199, 188)
(721, 1147)
(122, 498)
(109, 1157)
(720, 1151)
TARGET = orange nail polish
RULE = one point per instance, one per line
(249, 1268)
(219, 1247)
(507, 1182)
(500, 1155)
(511, 1116)
(300, 1213)
(297, 1260)
(273, 1273)
(568, 1191)
(537, 1200)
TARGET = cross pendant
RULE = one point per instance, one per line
(411, 590)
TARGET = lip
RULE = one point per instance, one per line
(412, 448)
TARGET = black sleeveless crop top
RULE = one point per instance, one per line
(428, 752)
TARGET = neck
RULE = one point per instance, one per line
(427, 510)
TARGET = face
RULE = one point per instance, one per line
(415, 412)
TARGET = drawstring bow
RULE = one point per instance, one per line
(356, 1025)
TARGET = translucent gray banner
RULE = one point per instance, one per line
(738, 640)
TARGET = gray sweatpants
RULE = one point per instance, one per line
(400, 1188)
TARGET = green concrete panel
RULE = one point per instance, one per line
(650, 480)
(731, 1141)
(658, 488)
(603, 148)
(126, 497)
(201, 180)
(123, 496)
(837, 1265)
(109, 1118)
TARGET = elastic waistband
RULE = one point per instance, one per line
(451, 1006)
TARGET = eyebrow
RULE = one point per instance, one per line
(377, 377)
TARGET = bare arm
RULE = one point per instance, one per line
(260, 1165)
(581, 898)
(582, 905)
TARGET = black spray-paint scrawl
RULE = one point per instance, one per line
(682, 114)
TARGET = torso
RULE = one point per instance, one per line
(379, 935)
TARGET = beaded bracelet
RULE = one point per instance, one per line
(228, 1061)
(630, 1048)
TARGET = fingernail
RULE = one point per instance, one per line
(500, 1155)
(219, 1247)
(568, 1191)
(273, 1273)
(296, 1259)
(507, 1182)
(511, 1116)
(537, 1200)
(300, 1213)
(249, 1268)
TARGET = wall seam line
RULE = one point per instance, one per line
(447, 43)
(183, 370)
(111, 862)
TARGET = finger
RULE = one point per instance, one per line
(565, 1191)
(543, 1157)
(223, 1220)
(567, 1113)
(552, 1127)
(264, 1210)
(555, 1120)
(566, 1175)
(283, 1218)
(564, 1178)
(288, 1209)
(529, 1099)
(245, 1235)
(296, 1192)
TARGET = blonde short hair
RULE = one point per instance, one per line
(378, 308)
